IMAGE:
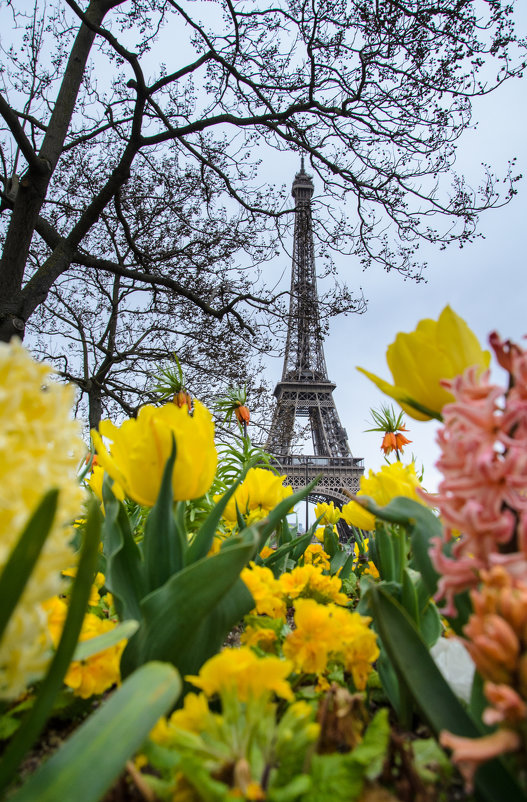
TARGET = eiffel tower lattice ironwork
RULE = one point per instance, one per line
(305, 390)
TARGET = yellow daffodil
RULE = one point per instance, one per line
(141, 446)
(355, 515)
(390, 482)
(418, 361)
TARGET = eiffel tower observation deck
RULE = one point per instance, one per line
(305, 391)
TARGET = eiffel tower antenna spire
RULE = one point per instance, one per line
(305, 390)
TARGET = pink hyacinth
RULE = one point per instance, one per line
(482, 498)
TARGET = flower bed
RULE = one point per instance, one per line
(122, 587)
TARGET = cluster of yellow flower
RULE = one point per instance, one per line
(273, 596)
(100, 671)
(40, 449)
(315, 555)
(326, 633)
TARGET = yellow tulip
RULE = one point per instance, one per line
(418, 361)
(141, 446)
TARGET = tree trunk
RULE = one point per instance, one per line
(34, 184)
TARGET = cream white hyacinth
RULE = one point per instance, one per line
(40, 449)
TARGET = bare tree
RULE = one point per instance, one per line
(375, 92)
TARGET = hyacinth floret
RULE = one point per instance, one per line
(40, 449)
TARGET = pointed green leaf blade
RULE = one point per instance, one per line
(172, 614)
(24, 556)
(162, 548)
(125, 576)
(36, 718)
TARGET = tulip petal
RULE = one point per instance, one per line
(462, 344)
(412, 407)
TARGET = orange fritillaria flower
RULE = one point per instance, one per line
(242, 414)
(394, 441)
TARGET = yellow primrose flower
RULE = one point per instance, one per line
(308, 581)
(315, 555)
(327, 633)
(258, 494)
(160, 734)
(100, 671)
(241, 671)
(193, 716)
(310, 643)
(329, 511)
(357, 646)
(141, 446)
(40, 449)
(264, 638)
(265, 590)
(418, 361)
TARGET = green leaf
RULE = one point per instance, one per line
(202, 542)
(210, 634)
(99, 643)
(339, 559)
(335, 777)
(371, 751)
(432, 695)
(331, 541)
(431, 762)
(430, 625)
(172, 614)
(162, 548)
(125, 576)
(22, 559)
(409, 597)
(385, 554)
(90, 761)
(298, 545)
(422, 525)
(347, 568)
(34, 721)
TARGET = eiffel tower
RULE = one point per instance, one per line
(305, 390)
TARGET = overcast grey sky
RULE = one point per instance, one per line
(485, 283)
